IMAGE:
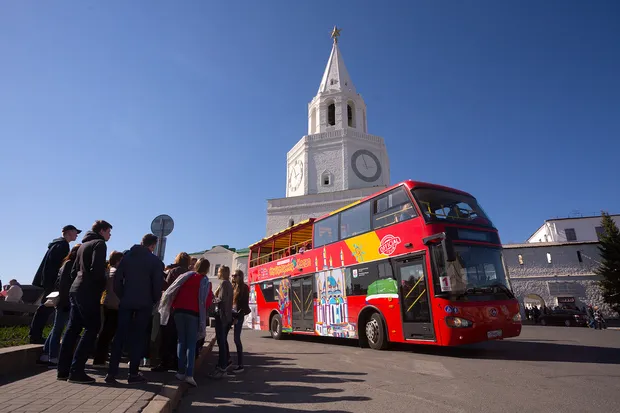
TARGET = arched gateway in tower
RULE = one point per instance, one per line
(338, 162)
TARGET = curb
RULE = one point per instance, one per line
(170, 395)
(19, 358)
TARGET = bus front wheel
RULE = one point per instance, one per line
(375, 332)
(276, 327)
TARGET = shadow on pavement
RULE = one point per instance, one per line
(513, 349)
(270, 380)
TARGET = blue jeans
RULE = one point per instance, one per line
(237, 327)
(85, 315)
(134, 325)
(187, 331)
(221, 334)
(52, 344)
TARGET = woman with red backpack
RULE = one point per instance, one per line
(188, 298)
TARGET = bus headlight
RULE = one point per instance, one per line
(458, 322)
(516, 318)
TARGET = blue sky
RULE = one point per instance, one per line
(125, 110)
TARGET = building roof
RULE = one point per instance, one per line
(546, 244)
(336, 77)
(584, 217)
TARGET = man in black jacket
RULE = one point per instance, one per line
(137, 283)
(89, 282)
(46, 277)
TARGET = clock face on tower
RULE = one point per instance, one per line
(366, 165)
(295, 175)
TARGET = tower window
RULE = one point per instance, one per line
(350, 115)
(326, 179)
(331, 114)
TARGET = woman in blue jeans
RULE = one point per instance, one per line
(61, 317)
(223, 320)
(189, 309)
(241, 308)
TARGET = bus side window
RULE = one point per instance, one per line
(359, 277)
(385, 270)
(392, 207)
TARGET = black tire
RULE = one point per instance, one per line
(375, 332)
(276, 327)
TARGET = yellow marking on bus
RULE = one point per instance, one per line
(414, 286)
(365, 247)
(416, 300)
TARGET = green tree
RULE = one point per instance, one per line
(610, 263)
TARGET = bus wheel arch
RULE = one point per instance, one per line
(275, 325)
(371, 322)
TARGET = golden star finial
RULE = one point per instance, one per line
(336, 34)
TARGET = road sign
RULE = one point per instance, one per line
(162, 225)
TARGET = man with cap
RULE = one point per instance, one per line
(46, 277)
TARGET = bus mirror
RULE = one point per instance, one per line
(448, 250)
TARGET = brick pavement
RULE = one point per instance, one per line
(43, 393)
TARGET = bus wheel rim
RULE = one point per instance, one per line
(372, 331)
(276, 324)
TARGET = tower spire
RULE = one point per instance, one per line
(335, 34)
(336, 77)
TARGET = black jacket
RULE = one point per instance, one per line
(139, 279)
(47, 274)
(88, 271)
(64, 285)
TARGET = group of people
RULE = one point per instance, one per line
(118, 301)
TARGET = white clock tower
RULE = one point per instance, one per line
(338, 162)
(337, 154)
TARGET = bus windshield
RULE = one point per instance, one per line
(476, 274)
(440, 205)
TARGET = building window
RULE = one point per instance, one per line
(579, 256)
(351, 114)
(600, 231)
(520, 259)
(570, 234)
(215, 270)
(326, 179)
(549, 257)
(331, 114)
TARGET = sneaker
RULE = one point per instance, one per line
(81, 378)
(180, 377)
(160, 368)
(135, 379)
(238, 369)
(190, 380)
(62, 377)
(216, 374)
(110, 379)
(44, 359)
(225, 372)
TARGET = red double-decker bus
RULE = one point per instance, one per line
(414, 263)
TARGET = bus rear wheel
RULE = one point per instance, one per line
(276, 327)
(375, 332)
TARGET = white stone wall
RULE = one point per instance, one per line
(536, 274)
(555, 229)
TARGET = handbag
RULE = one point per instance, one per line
(52, 299)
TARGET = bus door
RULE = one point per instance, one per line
(414, 298)
(303, 303)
